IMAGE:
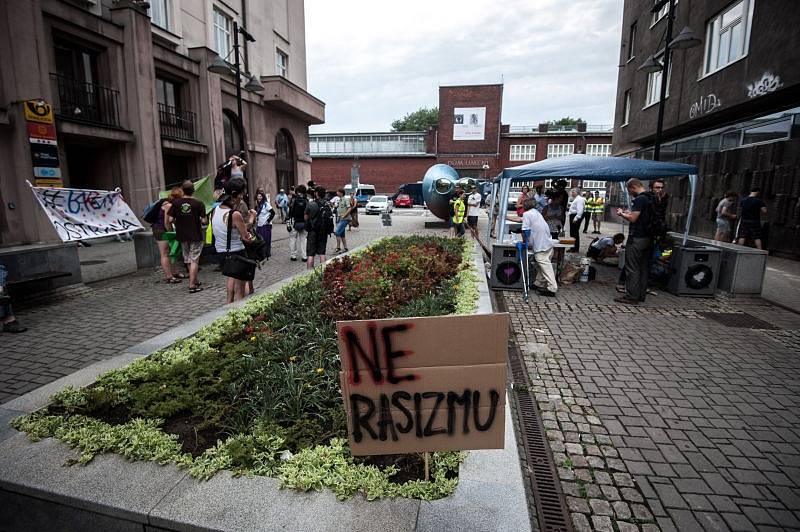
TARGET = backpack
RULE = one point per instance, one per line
(654, 227)
(323, 221)
(150, 214)
(299, 209)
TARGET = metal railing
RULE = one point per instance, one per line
(367, 143)
(177, 123)
(87, 102)
(590, 128)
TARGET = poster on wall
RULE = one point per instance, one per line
(469, 123)
(79, 214)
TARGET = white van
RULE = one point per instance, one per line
(363, 193)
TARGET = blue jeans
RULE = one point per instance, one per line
(341, 227)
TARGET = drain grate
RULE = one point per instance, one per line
(739, 320)
(551, 508)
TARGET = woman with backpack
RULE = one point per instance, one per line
(230, 235)
(158, 214)
(264, 215)
(319, 224)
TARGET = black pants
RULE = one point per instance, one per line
(575, 231)
(586, 217)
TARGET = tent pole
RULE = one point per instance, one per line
(505, 186)
(693, 187)
(492, 217)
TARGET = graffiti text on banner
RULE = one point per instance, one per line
(78, 214)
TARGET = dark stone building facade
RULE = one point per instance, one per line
(732, 108)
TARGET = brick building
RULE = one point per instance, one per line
(470, 137)
(732, 105)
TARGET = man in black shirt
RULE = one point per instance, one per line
(188, 215)
(750, 210)
(639, 246)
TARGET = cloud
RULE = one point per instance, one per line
(374, 61)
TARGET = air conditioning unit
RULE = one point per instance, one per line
(694, 271)
(506, 273)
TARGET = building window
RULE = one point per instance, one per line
(626, 108)
(231, 133)
(728, 35)
(167, 93)
(598, 150)
(632, 42)
(593, 184)
(222, 33)
(281, 63)
(559, 150)
(159, 13)
(654, 82)
(661, 13)
(523, 152)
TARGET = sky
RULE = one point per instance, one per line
(373, 61)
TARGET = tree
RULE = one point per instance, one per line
(567, 121)
(419, 120)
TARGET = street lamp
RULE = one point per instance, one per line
(685, 39)
(220, 66)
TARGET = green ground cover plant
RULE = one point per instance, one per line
(257, 392)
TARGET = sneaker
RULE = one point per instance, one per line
(195, 289)
(14, 327)
(626, 300)
(293, 259)
(621, 288)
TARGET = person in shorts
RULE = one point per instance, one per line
(726, 215)
(473, 207)
(316, 241)
(188, 215)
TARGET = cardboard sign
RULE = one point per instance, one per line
(38, 111)
(424, 384)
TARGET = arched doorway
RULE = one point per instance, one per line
(231, 133)
(284, 159)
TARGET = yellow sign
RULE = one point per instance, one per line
(38, 111)
(55, 183)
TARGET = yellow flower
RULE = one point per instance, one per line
(252, 338)
(320, 370)
(293, 358)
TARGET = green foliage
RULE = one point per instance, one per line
(566, 121)
(264, 379)
(419, 120)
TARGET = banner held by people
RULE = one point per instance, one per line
(79, 214)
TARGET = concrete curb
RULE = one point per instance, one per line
(37, 492)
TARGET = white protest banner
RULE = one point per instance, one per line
(79, 214)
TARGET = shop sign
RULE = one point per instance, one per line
(46, 172)
(44, 155)
(38, 111)
(41, 131)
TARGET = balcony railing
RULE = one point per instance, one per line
(87, 102)
(177, 123)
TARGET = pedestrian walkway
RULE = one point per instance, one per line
(114, 314)
(681, 414)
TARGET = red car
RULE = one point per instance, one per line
(403, 200)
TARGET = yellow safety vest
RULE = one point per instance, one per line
(458, 211)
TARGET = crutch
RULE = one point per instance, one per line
(522, 252)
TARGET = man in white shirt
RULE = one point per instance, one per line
(577, 209)
(473, 207)
(541, 244)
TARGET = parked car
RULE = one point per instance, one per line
(378, 205)
(403, 200)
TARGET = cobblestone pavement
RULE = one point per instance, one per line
(662, 418)
(112, 315)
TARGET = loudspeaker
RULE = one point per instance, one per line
(506, 273)
(694, 271)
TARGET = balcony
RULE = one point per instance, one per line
(177, 124)
(86, 102)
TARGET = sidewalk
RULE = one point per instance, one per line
(668, 414)
(115, 314)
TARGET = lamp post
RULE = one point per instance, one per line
(220, 66)
(685, 39)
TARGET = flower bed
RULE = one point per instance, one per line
(257, 391)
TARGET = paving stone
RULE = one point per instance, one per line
(600, 507)
(738, 521)
(669, 496)
(623, 480)
(630, 494)
(602, 523)
(641, 512)
(758, 515)
(595, 462)
(691, 485)
(601, 477)
(581, 523)
(621, 510)
(579, 505)
(711, 521)
(624, 526)
(684, 520)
